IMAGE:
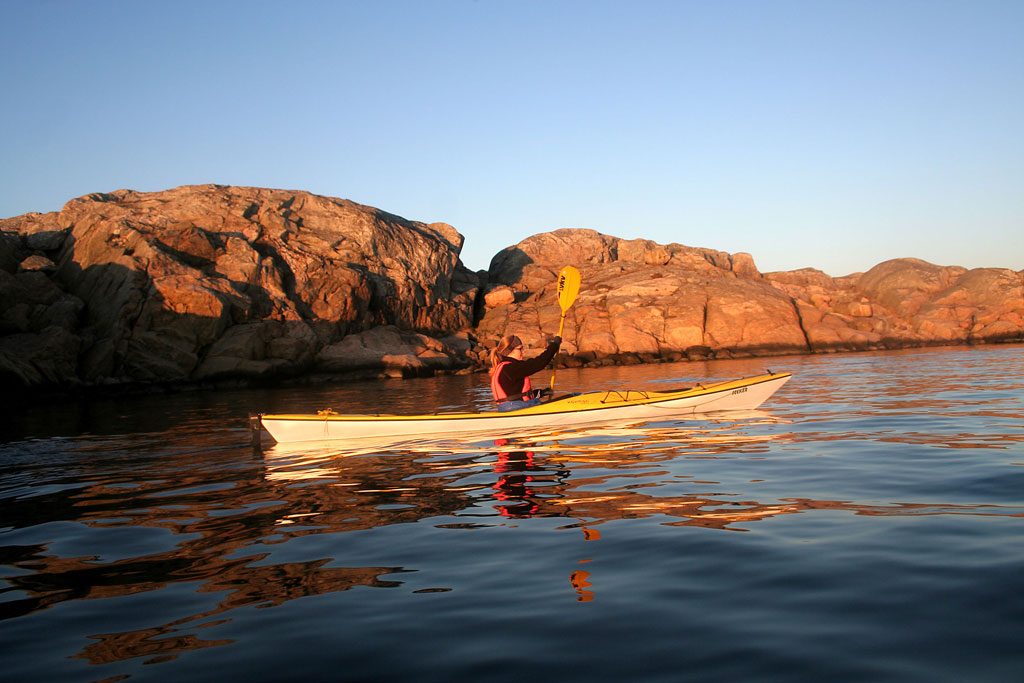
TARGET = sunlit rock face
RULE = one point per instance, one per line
(210, 281)
(213, 283)
(642, 301)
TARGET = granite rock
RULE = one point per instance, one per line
(211, 283)
(205, 282)
(641, 301)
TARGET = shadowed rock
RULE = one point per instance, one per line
(206, 282)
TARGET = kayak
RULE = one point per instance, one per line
(592, 407)
(567, 411)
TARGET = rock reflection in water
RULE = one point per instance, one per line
(212, 531)
(245, 586)
(589, 477)
(582, 475)
(219, 517)
(888, 483)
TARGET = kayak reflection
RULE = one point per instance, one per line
(721, 472)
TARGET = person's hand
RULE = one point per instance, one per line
(557, 341)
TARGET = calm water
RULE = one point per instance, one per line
(866, 524)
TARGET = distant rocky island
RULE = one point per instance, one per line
(213, 285)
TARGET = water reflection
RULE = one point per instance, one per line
(244, 585)
(521, 482)
(226, 516)
(599, 475)
(580, 583)
(208, 528)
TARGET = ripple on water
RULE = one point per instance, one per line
(864, 525)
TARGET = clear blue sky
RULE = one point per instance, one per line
(826, 133)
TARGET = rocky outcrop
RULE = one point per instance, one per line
(211, 283)
(208, 282)
(640, 301)
(904, 303)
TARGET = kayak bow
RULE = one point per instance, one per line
(597, 406)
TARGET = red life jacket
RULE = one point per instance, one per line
(499, 394)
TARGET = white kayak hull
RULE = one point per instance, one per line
(594, 407)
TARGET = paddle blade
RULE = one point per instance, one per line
(568, 287)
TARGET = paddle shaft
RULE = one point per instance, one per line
(561, 323)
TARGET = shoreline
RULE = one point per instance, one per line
(107, 391)
(212, 287)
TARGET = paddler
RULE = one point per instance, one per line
(510, 376)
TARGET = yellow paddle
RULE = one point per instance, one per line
(568, 288)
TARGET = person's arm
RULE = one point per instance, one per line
(520, 370)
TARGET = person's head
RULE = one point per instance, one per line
(510, 345)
